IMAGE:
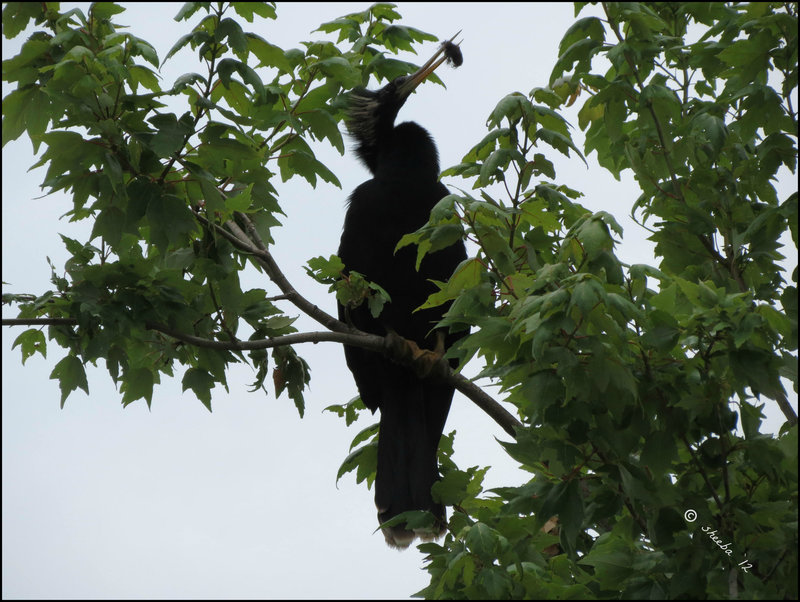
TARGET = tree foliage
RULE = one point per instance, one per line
(639, 387)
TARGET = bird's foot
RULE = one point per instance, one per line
(424, 362)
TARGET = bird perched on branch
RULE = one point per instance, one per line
(397, 200)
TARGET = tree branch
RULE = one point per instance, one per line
(786, 408)
(497, 412)
(348, 336)
(250, 242)
(253, 245)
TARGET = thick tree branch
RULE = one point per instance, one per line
(786, 408)
(349, 336)
(39, 322)
(477, 395)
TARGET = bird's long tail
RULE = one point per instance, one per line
(412, 420)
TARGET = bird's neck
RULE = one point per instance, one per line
(408, 154)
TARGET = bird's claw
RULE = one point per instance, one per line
(424, 362)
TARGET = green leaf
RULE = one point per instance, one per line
(511, 107)
(144, 76)
(31, 341)
(466, 276)
(70, 375)
(186, 80)
(586, 295)
(363, 460)
(664, 333)
(291, 374)
(170, 136)
(110, 225)
(743, 52)
(585, 28)
(323, 125)
(611, 558)
(137, 383)
(659, 452)
(247, 9)
(145, 50)
(481, 540)
(241, 201)
(453, 488)
(663, 100)
(594, 237)
(230, 30)
(325, 270)
(106, 10)
(16, 16)
(171, 222)
(226, 67)
(201, 383)
(559, 141)
(268, 54)
(349, 411)
(14, 116)
(579, 52)
(37, 115)
(571, 513)
(589, 113)
(494, 167)
(339, 69)
(182, 41)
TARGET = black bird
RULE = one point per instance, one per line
(398, 199)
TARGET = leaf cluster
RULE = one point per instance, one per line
(639, 386)
(157, 183)
(350, 287)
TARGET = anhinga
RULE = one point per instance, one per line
(398, 199)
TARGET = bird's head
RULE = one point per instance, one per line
(371, 114)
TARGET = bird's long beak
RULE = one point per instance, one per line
(423, 72)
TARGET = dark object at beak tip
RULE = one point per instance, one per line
(453, 53)
(448, 51)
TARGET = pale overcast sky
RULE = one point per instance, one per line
(175, 502)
